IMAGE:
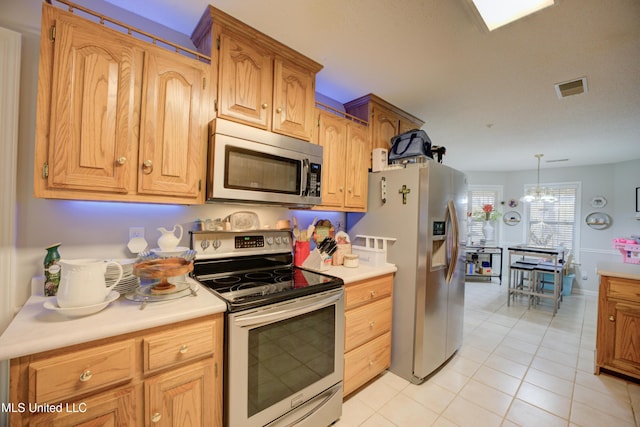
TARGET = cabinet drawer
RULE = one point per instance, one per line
(82, 371)
(184, 343)
(365, 362)
(368, 290)
(623, 289)
(366, 322)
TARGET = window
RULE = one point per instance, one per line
(478, 197)
(554, 224)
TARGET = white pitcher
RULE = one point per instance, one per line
(82, 282)
(168, 240)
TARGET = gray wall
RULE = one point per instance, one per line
(616, 182)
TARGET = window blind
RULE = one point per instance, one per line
(478, 199)
(553, 224)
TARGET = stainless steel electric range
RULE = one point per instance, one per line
(284, 340)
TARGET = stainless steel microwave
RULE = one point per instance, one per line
(247, 164)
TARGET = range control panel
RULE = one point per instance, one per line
(222, 244)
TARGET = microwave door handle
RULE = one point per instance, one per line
(305, 177)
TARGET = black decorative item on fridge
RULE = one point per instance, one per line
(411, 146)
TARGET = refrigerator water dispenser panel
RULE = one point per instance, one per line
(438, 246)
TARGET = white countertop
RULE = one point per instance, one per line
(619, 269)
(364, 271)
(35, 329)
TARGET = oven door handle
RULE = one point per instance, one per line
(287, 311)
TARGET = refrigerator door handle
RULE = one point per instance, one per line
(453, 217)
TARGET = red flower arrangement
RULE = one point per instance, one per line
(487, 214)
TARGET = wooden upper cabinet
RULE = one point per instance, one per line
(118, 119)
(385, 120)
(171, 139)
(345, 147)
(357, 158)
(93, 108)
(261, 82)
(293, 100)
(385, 125)
(246, 81)
(332, 136)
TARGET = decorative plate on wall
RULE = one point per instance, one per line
(598, 220)
(511, 218)
(598, 202)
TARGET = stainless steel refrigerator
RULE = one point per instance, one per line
(424, 207)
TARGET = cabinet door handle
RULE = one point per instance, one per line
(86, 376)
(122, 160)
(183, 349)
(278, 110)
(612, 319)
(373, 294)
(371, 324)
(156, 417)
(148, 166)
(265, 106)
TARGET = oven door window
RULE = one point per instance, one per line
(287, 356)
(255, 171)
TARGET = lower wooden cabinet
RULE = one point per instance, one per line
(618, 333)
(368, 314)
(165, 376)
(176, 396)
(112, 408)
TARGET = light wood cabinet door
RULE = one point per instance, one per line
(332, 137)
(405, 125)
(94, 105)
(384, 125)
(627, 338)
(172, 137)
(181, 397)
(357, 163)
(618, 334)
(366, 362)
(345, 162)
(293, 100)
(118, 118)
(115, 408)
(245, 85)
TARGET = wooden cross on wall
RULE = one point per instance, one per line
(404, 191)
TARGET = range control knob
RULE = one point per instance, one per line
(278, 240)
(285, 240)
(269, 241)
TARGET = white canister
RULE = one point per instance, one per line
(379, 159)
(350, 260)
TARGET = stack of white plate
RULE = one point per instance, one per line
(129, 282)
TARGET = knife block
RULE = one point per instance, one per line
(315, 261)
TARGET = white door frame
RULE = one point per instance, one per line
(10, 58)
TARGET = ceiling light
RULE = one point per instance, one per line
(539, 194)
(497, 13)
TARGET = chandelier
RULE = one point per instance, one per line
(539, 194)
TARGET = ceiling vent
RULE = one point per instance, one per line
(573, 87)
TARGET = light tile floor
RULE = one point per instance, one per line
(517, 367)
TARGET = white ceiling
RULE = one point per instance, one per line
(488, 97)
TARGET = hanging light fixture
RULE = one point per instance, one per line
(539, 194)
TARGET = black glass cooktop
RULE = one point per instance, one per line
(248, 282)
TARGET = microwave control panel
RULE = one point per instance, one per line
(313, 183)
